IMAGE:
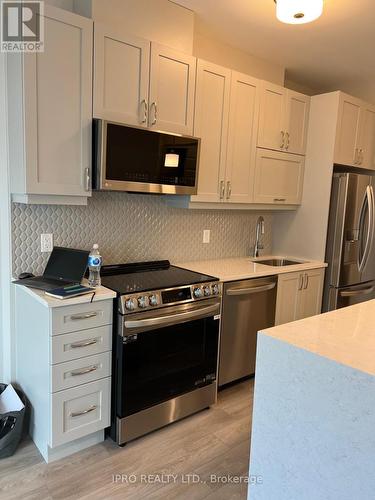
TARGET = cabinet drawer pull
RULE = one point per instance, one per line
(287, 140)
(83, 371)
(76, 317)
(83, 412)
(155, 108)
(84, 344)
(87, 179)
(306, 281)
(300, 284)
(279, 199)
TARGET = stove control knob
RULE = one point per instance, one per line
(142, 301)
(198, 293)
(215, 289)
(153, 299)
(130, 304)
(207, 291)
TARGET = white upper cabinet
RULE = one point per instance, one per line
(142, 83)
(121, 77)
(348, 131)
(367, 137)
(211, 125)
(297, 117)
(172, 88)
(271, 134)
(243, 120)
(283, 119)
(50, 113)
(278, 178)
(355, 139)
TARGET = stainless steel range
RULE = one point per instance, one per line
(165, 345)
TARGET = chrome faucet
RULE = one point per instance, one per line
(258, 232)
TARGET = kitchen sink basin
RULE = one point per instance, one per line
(277, 262)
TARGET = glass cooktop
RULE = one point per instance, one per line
(146, 276)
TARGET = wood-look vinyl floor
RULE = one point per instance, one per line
(212, 442)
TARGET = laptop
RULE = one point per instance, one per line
(66, 266)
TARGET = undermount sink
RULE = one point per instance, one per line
(277, 262)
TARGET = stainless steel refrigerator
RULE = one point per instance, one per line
(350, 250)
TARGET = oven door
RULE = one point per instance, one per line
(164, 354)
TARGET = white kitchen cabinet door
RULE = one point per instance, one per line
(121, 77)
(298, 106)
(243, 121)
(367, 138)
(287, 299)
(348, 131)
(57, 86)
(278, 177)
(211, 125)
(272, 126)
(172, 90)
(310, 297)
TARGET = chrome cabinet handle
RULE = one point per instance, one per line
(155, 108)
(222, 189)
(306, 281)
(143, 105)
(356, 156)
(247, 291)
(282, 140)
(87, 179)
(360, 160)
(287, 140)
(279, 199)
(300, 284)
(83, 371)
(84, 344)
(83, 412)
(76, 317)
(229, 190)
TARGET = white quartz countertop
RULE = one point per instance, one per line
(101, 293)
(239, 268)
(346, 335)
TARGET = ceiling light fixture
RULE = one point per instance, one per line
(298, 11)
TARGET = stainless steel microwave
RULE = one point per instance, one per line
(138, 160)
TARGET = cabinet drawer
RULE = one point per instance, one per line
(79, 344)
(81, 316)
(80, 371)
(80, 411)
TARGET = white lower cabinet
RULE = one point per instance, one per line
(299, 295)
(64, 360)
(80, 411)
(278, 178)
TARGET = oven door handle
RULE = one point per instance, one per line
(173, 319)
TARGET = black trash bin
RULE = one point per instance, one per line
(11, 425)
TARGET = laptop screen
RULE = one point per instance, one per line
(66, 264)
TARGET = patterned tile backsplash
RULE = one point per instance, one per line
(131, 228)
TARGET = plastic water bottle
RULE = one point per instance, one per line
(95, 263)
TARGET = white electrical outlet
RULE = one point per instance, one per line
(46, 242)
(206, 235)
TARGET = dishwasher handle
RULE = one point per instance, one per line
(248, 291)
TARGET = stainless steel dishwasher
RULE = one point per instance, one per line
(248, 306)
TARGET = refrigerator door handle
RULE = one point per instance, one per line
(356, 293)
(368, 200)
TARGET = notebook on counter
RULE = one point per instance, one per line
(67, 292)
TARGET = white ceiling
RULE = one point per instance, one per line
(335, 52)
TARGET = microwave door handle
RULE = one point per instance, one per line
(367, 201)
(172, 319)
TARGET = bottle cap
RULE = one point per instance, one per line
(95, 246)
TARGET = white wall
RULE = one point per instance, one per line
(158, 20)
(212, 49)
(5, 243)
(303, 233)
